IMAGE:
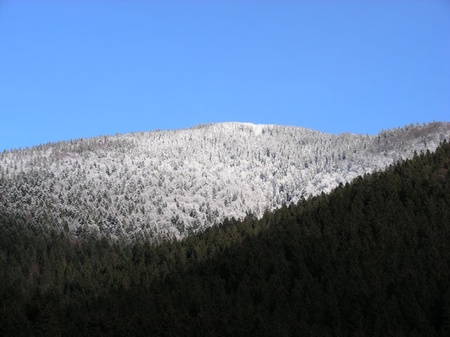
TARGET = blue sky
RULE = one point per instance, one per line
(72, 69)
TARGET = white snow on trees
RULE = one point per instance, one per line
(169, 184)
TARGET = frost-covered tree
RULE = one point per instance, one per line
(167, 184)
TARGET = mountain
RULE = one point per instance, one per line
(168, 184)
(371, 258)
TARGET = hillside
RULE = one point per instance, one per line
(369, 259)
(168, 184)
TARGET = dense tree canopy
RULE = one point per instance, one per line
(166, 184)
(369, 259)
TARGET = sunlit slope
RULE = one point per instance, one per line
(166, 184)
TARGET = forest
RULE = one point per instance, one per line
(371, 258)
(161, 185)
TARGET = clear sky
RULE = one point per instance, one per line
(72, 69)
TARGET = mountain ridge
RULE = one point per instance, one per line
(166, 184)
(368, 259)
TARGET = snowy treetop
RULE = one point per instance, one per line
(165, 184)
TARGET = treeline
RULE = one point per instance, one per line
(370, 259)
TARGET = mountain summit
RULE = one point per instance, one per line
(168, 184)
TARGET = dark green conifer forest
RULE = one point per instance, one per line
(370, 259)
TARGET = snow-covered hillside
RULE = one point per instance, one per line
(165, 184)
